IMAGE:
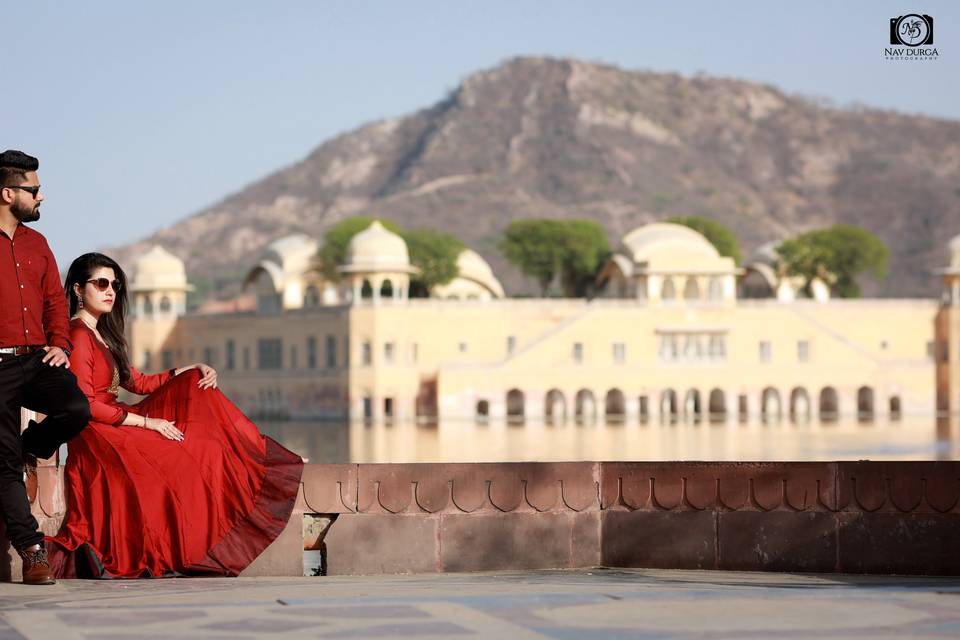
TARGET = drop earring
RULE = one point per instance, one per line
(79, 302)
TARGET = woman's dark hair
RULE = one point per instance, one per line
(110, 325)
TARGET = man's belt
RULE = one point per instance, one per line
(20, 350)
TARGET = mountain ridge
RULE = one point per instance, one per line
(564, 138)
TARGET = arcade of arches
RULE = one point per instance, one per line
(798, 405)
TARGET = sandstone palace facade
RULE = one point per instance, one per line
(678, 333)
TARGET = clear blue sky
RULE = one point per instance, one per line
(144, 113)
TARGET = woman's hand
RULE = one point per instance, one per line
(164, 428)
(208, 376)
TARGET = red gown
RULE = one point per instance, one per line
(139, 505)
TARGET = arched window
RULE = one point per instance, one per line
(799, 404)
(615, 407)
(366, 290)
(895, 407)
(668, 291)
(483, 410)
(865, 403)
(691, 290)
(165, 305)
(586, 406)
(147, 304)
(717, 404)
(555, 406)
(829, 406)
(515, 405)
(770, 404)
(386, 289)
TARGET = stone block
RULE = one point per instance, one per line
(509, 541)
(586, 542)
(284, 556)
(659, 539)
(359, 544)
(328, 488)
(898, 543)
(777, 541)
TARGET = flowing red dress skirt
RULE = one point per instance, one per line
(139, 505)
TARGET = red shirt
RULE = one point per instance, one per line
(33, 309)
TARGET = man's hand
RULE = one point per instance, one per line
(56, 357)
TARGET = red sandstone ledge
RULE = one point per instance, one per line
(860, 517)
(855, 517)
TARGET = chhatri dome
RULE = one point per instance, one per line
(159, 269)
(284, 277)
(473, 267)
(655, 240)
(664, 262)
(376, 249)
(285, 260)
(474, 281)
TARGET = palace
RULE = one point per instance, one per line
(678, 332)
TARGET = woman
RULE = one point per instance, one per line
(181, 483)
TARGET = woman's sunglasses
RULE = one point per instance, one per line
(102, 283)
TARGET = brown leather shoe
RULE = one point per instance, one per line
(36, 569)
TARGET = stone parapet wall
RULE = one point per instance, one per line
(851, 517)
(856, 517)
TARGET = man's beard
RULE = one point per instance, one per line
(25, 213)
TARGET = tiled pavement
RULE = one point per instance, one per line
(545, 604)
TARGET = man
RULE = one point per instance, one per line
(34, 351)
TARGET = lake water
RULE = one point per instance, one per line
(909, 438)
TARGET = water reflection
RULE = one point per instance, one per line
(909, 438)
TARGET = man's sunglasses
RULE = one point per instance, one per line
(103, 283)
(33, 190)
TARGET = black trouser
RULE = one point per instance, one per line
(26, 381)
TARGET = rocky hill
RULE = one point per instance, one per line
(564, 138)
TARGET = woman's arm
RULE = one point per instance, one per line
(164, 427)
(208, 375)
(145, 383)
(82, 363)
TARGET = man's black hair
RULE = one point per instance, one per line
(14, 166)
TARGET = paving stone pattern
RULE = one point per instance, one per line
(556, 604)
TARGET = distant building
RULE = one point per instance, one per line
(678, 331)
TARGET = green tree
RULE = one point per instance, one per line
(585, 250)
(840, 254)
(435, 254)
(719, 235)
(535, 246)
(545, 249)
(333, 253)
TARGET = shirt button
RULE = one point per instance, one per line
(24, 308)
(26, 330)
